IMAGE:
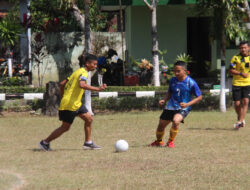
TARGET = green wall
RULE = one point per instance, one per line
(171, 22)
(172, 33)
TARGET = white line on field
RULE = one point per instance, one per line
(21, 181)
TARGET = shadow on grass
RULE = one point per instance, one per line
(54, 150)
(213, 129)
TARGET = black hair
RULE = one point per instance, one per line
(85, 58)
(244, 42)
(182, 64)
(111, 53)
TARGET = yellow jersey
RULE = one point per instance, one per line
(241, 64)
(72, 96)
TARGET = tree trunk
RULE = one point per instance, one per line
(155, 50)
(247, 9)
(223, 65)
(87, 50)
(78, 16)
(51, 99)
(122, 36)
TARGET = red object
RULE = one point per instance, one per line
(38, 37)
(131, 80)
(25, 17)
(56, 21)
(157, 143)
(170, 144)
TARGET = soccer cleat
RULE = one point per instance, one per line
(157, 144)
(170, 144)
(44, 146)
(238, 125)
(91, 146)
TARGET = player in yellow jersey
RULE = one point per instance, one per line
(72, 90)
(240, 69)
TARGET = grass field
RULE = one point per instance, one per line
(208, 154)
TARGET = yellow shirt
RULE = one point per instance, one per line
(72, 96)
(241, 64)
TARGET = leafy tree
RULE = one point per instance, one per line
(10, 29)
(227, 25)
(65, 15)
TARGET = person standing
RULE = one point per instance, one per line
(240, 69)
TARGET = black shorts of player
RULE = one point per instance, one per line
(240, 92)
(169, 114)
(69, 116)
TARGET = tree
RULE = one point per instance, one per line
(65, 15)
(227, 25)
(245, 9)
(10, 29)
(155, 49)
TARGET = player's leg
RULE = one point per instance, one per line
(160, 133)
(245, 102)
(88, 120)
(67, 118)
(178, 118)
(238, 108)
(237, 96)
(44, 144)
(165, 119)
(58, 132)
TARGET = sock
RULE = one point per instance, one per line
(172, 134)
(159, 135)
(88, 142)
(45, 142)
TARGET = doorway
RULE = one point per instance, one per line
(198, 46)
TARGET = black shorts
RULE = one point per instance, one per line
(69, 116)
(169, 114)
(240, 92)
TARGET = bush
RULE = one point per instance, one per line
(13, 81)
(26, 89)
(128, 103)
(20, 89)
(135, 88)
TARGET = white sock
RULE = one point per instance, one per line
(45, 142)
(88, 142)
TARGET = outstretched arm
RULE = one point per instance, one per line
(85, 86)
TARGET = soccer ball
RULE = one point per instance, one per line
(121, 146)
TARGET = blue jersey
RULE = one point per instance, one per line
(182, 91)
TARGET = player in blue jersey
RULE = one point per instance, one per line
(179, 97)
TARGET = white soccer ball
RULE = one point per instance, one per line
(121, 146)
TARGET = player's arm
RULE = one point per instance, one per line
(233, 71)
(195, 90)
(85, 86)
(192, 102)
(62, 85)
(165, 99)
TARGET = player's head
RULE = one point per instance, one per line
(89, 61)
(180, 68)
(244, 48)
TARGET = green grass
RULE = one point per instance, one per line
(208, 154)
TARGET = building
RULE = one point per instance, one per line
(180, 30)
